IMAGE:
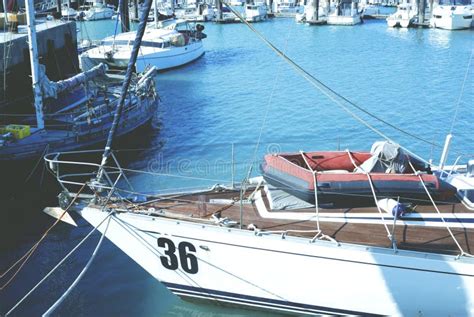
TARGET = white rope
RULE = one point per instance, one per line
(45, 151)
(316, 202)
(243, 187)
(330, 93)
(57, 265)
(79, 277)
(437, 210)
(460, 95)
(268, 106)
(389, 234)
(319, 234)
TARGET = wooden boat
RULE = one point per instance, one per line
(347, 178)
(79, 123)
(84, 124)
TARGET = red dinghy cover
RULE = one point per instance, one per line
(341, 176)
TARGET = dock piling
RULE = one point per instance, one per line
(124, 16)
(421, 11)
(219, 10)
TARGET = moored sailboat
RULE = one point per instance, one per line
(171, 43)
(225, 245)
(195, 243)
(75, 125)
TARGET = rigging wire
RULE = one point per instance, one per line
(59, 263)
(79, 277)
(267, 109)
(458, 103)
(22, 260)
(327, 91)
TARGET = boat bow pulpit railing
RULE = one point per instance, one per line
(77, 173)
(73, 174)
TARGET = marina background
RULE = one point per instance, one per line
(410, 77)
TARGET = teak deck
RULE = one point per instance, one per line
(198, 208)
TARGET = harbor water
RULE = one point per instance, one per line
(220, 114)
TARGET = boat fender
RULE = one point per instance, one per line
(399, 210)
(392, 207)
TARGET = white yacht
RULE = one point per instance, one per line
(255, 12)
(68, 12)
(228, 16)
(344, 13)
(309, 13)
(196, 13)
(403, 17)
(456, 15)
(288, 7)
(300, 17)
(96, 10)
(173, 44)
(369, 10)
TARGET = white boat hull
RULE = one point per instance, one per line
(404, 23)
(403, 17)
(453, 23)
(160, 58)
(392, 23)
(343, 20)
(290, 274)
(256, 18)
(99, 14)
(444, 17)
(166, 60)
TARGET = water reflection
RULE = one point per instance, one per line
(440, 38)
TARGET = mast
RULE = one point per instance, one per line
(155, 12)
(126, 84)
(33, 47)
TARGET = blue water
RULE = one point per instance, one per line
(240, 92)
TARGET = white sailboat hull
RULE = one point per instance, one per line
(290, 274)
(150, 56)
(176, 57)
(99, 14)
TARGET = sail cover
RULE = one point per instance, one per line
(51, 89)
